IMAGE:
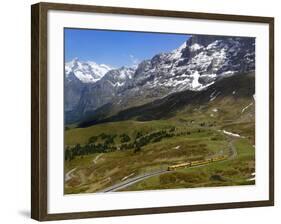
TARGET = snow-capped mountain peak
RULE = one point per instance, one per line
(86, 72)
(177, 53)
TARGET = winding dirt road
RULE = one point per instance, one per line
(68, 175)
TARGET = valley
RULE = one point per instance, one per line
(109, 153)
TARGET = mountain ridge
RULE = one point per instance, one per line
(197, 64)
(237, 86)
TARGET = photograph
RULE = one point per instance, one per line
(157, 111)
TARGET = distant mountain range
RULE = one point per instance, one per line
(98, 92)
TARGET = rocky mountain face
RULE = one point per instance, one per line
(197, 64)
(77, 76)
(105, 90)
(225, 91)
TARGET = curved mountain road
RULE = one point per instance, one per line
(132, 181)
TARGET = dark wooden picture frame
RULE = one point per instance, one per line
(39, 107)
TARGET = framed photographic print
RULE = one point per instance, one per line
(138, 111)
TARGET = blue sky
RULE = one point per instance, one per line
(117, 48)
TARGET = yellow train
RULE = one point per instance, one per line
(181, 165)
(196, 163)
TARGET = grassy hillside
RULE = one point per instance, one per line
(130, 127)
(104, 154)
(112, 167)
(237, 171)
